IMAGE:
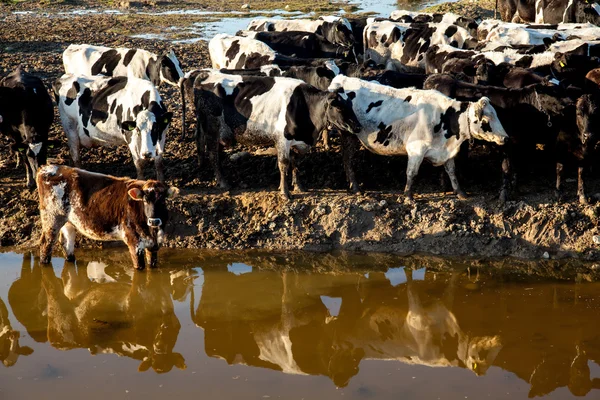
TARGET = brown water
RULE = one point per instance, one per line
(297, 326)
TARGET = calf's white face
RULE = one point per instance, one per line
(147, 134)
(484, 123)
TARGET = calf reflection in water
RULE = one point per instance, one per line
(10, 349)
(284, 322)
(134, 319)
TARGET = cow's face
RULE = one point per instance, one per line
(339, 114)
(339, 33)
(590, 10)
(170, 69)
(480, 352)
(153, 195)
(146, 135)
(484, 123)
(588, 121)
(10, 350)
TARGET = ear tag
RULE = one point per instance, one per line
(562, 64)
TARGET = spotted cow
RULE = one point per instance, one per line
(336, 30)
(550, 11)
(26, 114)
(397, 44)
(112, 111)
(285, 112)
(423, 124)
(102, 207)
(449, 18)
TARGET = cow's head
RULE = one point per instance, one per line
(146, 134)
(485, 71)
(153, 195)
(340, 115)
(484, 123)
(10, 350)
(573, 66)
(588, 11)
(170, 69)
(338, 32)
(587, 121)
(479, 353)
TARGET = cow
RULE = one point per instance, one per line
(449, 18)
(517, 34)
(335, 29)
(85, 59)
(420, 124)
(112, 111)
(301, 44)
(398, 45)
(285, 112)
(537, 114)
(26, 114)
(102, 207)
(133, 318)
(549, 11)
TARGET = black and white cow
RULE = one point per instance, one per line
(449, 18)
(336, 30)
(397, 45)
(26, 114)
(112, 111)
(85, 59)
(423, 124)
(265, 110)
(301, 44)
(550, 11)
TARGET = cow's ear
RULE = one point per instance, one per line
(167, 117)
(136, 194)
(172, 192)
(128, 125)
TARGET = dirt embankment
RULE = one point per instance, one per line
(252, 215)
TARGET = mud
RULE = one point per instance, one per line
(327, 217)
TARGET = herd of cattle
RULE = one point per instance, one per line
(415, 84)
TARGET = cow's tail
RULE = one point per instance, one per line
(182, 83)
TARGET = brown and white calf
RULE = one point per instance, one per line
(101, 207)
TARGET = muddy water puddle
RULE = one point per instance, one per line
(293, 326)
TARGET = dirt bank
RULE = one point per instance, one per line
(326, 217)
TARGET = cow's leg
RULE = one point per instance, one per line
(580, 185)
(505, 189)
(73, 142)
(68, 241)
(152, 257)
(558, 191)
(414, 162)
(29, 171)
(295, 180)
(214, 156)
(160, 170)
(326, 139)
(50, 231)
(451, 171)
(283, 162)
(139, 167)
(137, 255)
(349, 148)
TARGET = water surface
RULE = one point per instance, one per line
(293, 326)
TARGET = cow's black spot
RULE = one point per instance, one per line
(437, 18)
(146, 99)
(241, 62)
(169, 70)
(119, 114)
(72, 93)
(153, 71)
(233, 50)
(485, 126)
(107, 63)
(384, 134)
(383, 38)
(449, 121)
(113, 106)
(85, 106)
(450, 31)
(129, 56)
(257, 60)
(100, 105)
(300, 113)
(351, 95)
(408, 99)
(87, 133)
(373, 105)
(524, 62)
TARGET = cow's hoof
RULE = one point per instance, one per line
(558, 196)
(503, 197)
(285, 196)
(408, 199)
(583, 201)
(299, 189)
(224, 185)
(462, 195)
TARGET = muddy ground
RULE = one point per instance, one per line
(327, 217)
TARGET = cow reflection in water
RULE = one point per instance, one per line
(89, 308)
(282, 322)
(10, 349)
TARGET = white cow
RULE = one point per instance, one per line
(423, 124)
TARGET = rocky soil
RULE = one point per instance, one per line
(327, 217)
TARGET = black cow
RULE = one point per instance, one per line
(26, 114)
(301, 44)
(265, 110)
(533, 115)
